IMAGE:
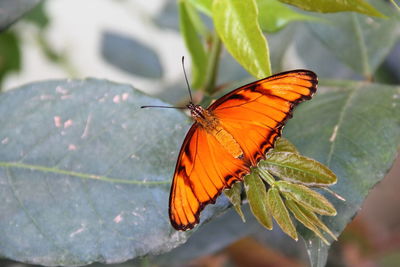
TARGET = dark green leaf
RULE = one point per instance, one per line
(12, 10)
(234, 196)
(131, 56)
(85, 173)
(10, 54)
(193, 43)
(273, 15)
(280, 212)
(241, 34)
(297, 168)
(327, 6)
(38, 15)
(257, 196)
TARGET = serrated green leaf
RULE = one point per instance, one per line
(280, 213)
(273, 15)
(284, 145)
(315, 220)
(303, 218)
(240, 32)
(194, 44)
(327, 6)
(297, 168)
(257, 196)
(307, 197)
(234, 196)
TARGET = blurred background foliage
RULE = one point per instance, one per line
(147, 53)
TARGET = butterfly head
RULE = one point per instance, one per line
(196, 111)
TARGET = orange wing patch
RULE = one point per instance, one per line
(253, 115)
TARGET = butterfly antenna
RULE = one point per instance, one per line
(162, 107)
(186, 79)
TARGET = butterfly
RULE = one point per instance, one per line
(231, 136)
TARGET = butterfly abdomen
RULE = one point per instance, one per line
(212, 126)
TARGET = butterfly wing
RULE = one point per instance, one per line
(254, 115)
(202, 171)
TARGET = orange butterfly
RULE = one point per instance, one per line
(229, 137)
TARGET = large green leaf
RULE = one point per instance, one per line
(274, 15)
(327, 6)
(237, 25)
(85, 173)
(12, 10)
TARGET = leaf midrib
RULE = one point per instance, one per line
(78, 174)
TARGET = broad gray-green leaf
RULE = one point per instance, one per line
(12, 10)
(297, 168)
(131, 56)
(85, 173)
(359, 41)
(357, 136)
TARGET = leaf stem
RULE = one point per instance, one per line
(212, 68)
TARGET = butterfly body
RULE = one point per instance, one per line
(231, 136)
(211, 125)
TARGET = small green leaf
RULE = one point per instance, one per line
(266, 176)
(238, 28)
(315, 220)
(284, 145)
(297, 168)
(307, 197)
(303, 218)
(257, 197)
(233, 194)
(274, 15)
(328, 6)
(280, 212)
(194, 44)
